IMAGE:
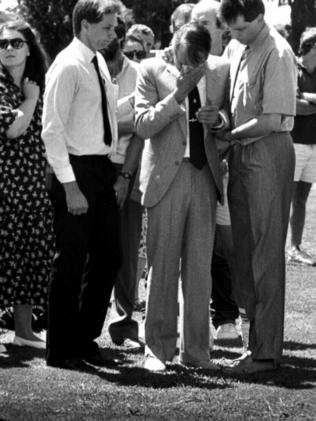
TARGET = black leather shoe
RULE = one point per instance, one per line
(67, 363)
(100, 360)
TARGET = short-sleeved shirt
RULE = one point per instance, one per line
(304, 130)
(265, 81)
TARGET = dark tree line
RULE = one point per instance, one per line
(52, 19)
(303, 15)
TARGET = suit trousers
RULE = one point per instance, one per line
(122, 325)
(86, 263)
(224, 308)
(259, 194)
(180, 240)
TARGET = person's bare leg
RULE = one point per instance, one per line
(23, 322)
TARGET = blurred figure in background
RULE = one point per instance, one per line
(224, 308)
(206, 13)
(180, 16)
(144, 33)
(134, 49)
(304, 137)
(123, 329)
(26, 220)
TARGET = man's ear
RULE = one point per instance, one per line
(260, 17)
(84, 25)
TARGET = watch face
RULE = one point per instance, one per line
(126, 175)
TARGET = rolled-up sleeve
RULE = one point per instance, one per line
(279, 90)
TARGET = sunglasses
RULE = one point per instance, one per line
(140, 55)
(305, 48)
(15, 43)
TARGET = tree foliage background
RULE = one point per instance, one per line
(52, 19)
(303, 15)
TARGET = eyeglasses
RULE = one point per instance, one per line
(15, 43)
(140, 55)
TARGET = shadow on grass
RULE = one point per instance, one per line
(174, 376)
(295, 373)
(298, 346)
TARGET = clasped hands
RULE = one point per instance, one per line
(186, 82)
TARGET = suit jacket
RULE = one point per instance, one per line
(162, 122)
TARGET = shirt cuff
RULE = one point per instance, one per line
(224, 124)
(65, 175)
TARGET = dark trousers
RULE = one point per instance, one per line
(87, 260)
(122, 325)
(224, 308)
(259, 194)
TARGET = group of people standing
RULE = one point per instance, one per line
(173, 125)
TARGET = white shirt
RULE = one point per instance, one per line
(72, 113)
(126, 81)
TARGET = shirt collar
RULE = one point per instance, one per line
(86, 53)
(261, 37)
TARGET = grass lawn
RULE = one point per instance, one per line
(31, 391)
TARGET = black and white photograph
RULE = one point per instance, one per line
(157, 210)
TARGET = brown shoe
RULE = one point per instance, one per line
(249, 366)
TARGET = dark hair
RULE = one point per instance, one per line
(93, 11)
(307, 41)
(197, 39)
(184, 10)
(249, 9)
(120, 29)
(36, 63)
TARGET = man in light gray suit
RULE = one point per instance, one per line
(177, 108)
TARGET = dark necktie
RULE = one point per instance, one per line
(196, 132)
(106, 123)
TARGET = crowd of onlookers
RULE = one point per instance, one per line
(180, 165)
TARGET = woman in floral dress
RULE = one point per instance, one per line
(26, 231)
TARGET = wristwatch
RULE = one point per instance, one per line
(125, 174)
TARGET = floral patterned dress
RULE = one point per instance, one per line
(26, 220)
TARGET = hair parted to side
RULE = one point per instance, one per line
(197, 39)
(93, 11)
(37, 62)
(249, 9)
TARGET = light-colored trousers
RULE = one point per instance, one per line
(259, 194)
(180, 238)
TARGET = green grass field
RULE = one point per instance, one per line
(31, 391)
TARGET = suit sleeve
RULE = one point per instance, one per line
(153, 113)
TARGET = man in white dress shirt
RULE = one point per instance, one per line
(80, 131)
